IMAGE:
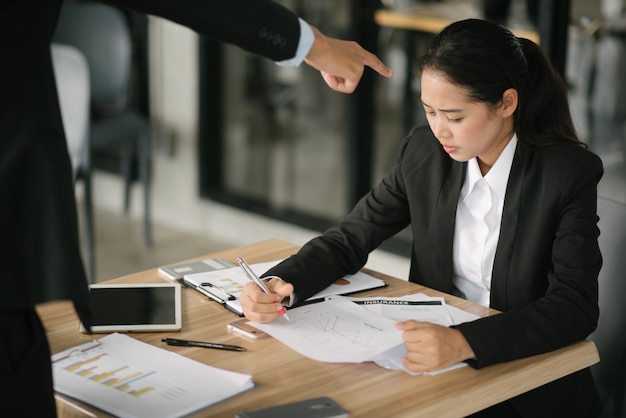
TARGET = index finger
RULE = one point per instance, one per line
(376, 64)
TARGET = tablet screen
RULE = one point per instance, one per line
(135, 307)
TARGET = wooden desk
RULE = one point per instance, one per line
(364, 389)
(432, 18)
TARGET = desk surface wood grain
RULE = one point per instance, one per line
(282, 375)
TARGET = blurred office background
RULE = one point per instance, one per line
(244, 151)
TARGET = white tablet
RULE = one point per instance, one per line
(135, 307)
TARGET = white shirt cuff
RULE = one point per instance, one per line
(304, 46)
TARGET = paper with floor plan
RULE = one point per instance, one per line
(335, 331)
(419, 307)
(339, 330)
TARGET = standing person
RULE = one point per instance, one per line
(268, 29)
(40, 259)
(501, 198)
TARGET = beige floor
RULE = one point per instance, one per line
(120, 249)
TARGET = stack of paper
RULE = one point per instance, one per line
(226, 285)
(178, 271)
(129, 378)
(354, 330)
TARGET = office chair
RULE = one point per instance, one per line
(615, 406)
(71, 73)
(610, 336)
(101, 32)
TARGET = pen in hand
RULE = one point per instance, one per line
(246, 268)
(187, 343)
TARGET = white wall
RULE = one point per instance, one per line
(175, 201)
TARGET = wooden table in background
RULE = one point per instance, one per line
(433, 17)
(282, 375)
(421, 22)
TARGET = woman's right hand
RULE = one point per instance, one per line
(262, 307)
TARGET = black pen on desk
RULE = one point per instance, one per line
(252, 276)
(187, 343)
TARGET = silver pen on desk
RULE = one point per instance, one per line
(252, 276)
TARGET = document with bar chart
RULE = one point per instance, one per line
(129, 378)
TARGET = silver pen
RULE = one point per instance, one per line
(246, 269)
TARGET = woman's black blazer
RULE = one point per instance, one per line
(546, 265)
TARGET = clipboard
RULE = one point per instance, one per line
(226, 285)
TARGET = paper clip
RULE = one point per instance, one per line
(80, 349)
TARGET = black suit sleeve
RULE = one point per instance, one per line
(262, 27)
(344, 248)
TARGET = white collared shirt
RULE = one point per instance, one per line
(477, 229)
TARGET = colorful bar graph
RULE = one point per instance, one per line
(116, 382)
(102, 376)
(125, 386)
(76, 366)
(111, 375)
(137, 379)
(138, 393)
(231, 286)
(86, 372)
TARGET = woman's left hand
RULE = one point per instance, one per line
(431, 347)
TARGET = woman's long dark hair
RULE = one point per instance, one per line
(486, 59)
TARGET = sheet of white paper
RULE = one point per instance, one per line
(129, 378)
(419, 307)
(349, 284)
(392, 360)
(398, 309)
(459, 315)
(335, 331)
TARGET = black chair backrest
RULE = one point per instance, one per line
(610, 336)
(102, 34)
(71, 73)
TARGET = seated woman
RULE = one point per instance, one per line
(501, 197)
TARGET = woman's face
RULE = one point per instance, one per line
(466, 128)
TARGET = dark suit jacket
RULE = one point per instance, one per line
(259, 26)
(546, 264)
(40, 258)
